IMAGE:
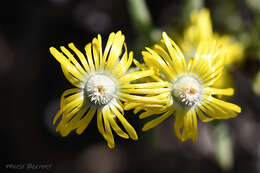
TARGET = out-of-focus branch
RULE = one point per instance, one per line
(191, 5)
(142, 20)
(223, 145)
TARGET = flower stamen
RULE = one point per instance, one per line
(100, 89)
(186, 91)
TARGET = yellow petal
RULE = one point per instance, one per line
(96, 51)
(72, 124)
(73, 60)
(131, 105)
(145, 91)
(70, 93)
(175, 53)
(84, 122)
(178, 123)
(215, 91)
(115, 50)
(72, 79)
(202, 116)
(154, 60)
(100, 124)
(190, 126)
(107, 48)
(226, 105)
(115, 127)
(142, 99)
(130, 130)
(124, 64)
(80, 56)
(156, 121)
(150, 85)
(89, 56)
(108, 131)
(66, 63)
(135, 75)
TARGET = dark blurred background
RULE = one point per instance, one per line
(32, 83)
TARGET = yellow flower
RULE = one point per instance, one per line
(190, 90)
(200, 29)
(102, 81)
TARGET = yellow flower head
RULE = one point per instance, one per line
(102, 81)
(200, 29)
(189, 87)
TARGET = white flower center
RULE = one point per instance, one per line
(100, 89)
(187, 91)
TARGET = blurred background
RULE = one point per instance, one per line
(32, 83)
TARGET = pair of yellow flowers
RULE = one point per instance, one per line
(167, 84)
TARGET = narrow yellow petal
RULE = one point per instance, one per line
(175, 53)
(153, 111)
(135, 75)
(142, 99)
(71, 105)
(72, 124)
(145, 91)
(150, 85)
(59, 127)
(68, 93)
(163, 54)
(178, 123)
(115, 127)
(81, 57)
(146, 114)
(202, 116)
(215, 91)
(84, 122)
(115, 50)
(100, 124)
(214, 110)
(226, 105)
(72, 79)
(69, 113)
(156, 121)
(69, 98)
(73, 60)
(100, 50)
(96, 56)
(190, 126)
(123, 64)
(139, 65)
(154, 60)
(66, 63)
(56, 117)
(89, 56)
(118, 104)
(108, 47)
(130, 130)
(131, 105)
(108, 131)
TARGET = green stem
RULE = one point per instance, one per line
(142, 20)
(191, 5)
(223, 145)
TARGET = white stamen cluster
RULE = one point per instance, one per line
(100, 89)
(187, 91)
